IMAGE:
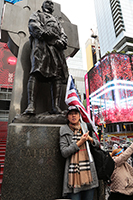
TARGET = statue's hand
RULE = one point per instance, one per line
(59, 45)
(49, 34)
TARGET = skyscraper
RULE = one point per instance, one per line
(114, 21)
(92, 53)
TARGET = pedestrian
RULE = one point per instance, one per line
(80, 177)
(122, 178)
(115, 146)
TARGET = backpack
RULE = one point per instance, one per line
(103, 162)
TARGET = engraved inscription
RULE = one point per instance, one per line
(38, 153)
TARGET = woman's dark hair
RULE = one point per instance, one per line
(90, 129)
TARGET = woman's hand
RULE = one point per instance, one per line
(83, 139)
(90, 138)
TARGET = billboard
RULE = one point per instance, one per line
(111, 89)
(7, 66)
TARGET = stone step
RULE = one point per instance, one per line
(1, 177)
(2, 161)
(2, 148)
(2, 145)
(1, 168)
(2, 157)
(2, 152)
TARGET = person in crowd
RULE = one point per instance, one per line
(115, 146)
(130, 159)
(122, 178)
(80, 177)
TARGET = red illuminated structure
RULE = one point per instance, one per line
(7, 72)
(12, 61)
(7, 66)
(111, 93)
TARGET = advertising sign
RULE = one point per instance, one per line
(7, 66)
(111, 88)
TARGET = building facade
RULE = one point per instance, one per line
(92, 52)
(114, 22)
(76, 69)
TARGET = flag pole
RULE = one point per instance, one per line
(84, 127)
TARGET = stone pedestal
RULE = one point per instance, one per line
(33, 165)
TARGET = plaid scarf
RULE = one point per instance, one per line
(79, 169)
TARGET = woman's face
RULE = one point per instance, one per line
(73, 117)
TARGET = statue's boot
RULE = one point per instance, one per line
(32, 90)
(56, 92)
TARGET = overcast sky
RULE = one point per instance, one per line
(81, 13)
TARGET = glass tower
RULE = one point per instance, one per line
(114, 21)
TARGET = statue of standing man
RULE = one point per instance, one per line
(48, 62)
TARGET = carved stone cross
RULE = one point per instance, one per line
(15, 22)
(1, 9)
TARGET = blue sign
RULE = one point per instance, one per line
(13, 1)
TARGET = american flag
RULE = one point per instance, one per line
(72, 99)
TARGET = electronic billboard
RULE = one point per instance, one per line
(111, 89)
(7, 66)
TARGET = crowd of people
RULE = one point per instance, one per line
(80, 176)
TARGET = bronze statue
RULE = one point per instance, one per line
(48, 42)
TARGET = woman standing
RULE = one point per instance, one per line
(122, 178)
(80, 177)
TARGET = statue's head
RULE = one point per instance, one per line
(48, 5)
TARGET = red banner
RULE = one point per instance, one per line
(7, 66)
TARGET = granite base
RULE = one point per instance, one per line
(33, 164)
